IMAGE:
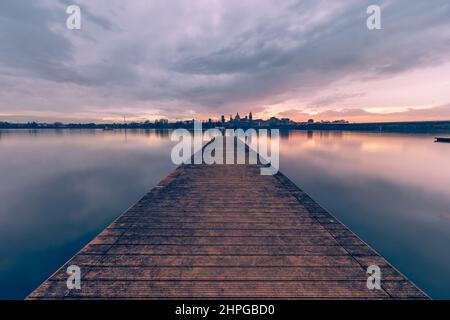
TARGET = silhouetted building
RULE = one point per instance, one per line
(237, 119)
(273, 121)
(285, 121)
(340, 121)
(161, 122)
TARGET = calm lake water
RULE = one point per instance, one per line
(59, 188)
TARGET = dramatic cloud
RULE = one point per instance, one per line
(361, 115)
(182, 58)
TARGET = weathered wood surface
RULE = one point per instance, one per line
(225, 231)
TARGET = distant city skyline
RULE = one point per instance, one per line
(237, 118)
(357, 116)
(178, 60)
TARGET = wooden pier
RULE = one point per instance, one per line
(225, 231)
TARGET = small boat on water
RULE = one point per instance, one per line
(108, 129)
(442, 139)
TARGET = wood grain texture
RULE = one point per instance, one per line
(225, 231)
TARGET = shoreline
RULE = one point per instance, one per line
(381, 128)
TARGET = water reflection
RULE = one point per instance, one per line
(59, 188)
(392, 190)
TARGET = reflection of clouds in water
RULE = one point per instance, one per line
(84, 168)
(396, 197)
(60, 188)
(412, 161)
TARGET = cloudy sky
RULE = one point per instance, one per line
(202, 58)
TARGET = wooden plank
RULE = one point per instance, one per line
(132, 260)
(218, 273)
(272, 240)
(221, 232)
(225, 250)
(225, 222)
